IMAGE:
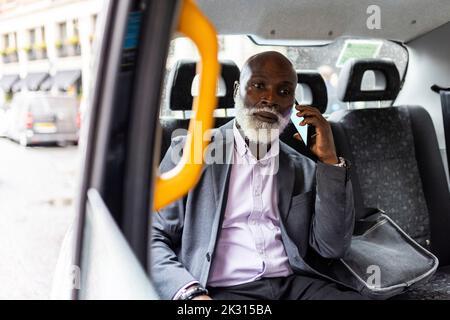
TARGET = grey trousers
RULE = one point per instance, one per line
(294, 287)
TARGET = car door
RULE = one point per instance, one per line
(106, 247)
(106, 253)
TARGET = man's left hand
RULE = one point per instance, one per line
(322, 144)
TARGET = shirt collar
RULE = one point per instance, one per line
(243, 150)
(239, 141)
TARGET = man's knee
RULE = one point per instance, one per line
(323, 289)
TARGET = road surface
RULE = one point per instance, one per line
(37, 188)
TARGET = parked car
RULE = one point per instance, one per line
(38, 118)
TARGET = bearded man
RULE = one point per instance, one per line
(244, 231)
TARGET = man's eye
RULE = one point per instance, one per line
(285, 92)
(258, 85)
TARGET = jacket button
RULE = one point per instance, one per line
(208, 257)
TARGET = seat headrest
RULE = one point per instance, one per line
(352, 75)
(316, 84)
(181, 79)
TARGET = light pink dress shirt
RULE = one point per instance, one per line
(249, 246)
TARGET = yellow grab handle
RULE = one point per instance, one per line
(174, 184)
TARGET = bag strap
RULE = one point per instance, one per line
(445, 103)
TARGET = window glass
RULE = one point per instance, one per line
(62, 30)
(328, 60)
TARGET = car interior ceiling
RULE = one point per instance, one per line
(303, 19)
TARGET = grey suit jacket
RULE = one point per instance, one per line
(316, 216)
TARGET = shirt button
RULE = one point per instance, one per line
(208, 257)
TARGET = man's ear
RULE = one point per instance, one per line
(236, 89)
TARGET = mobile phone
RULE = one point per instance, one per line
(303, 131)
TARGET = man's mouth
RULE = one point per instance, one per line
(266, 116)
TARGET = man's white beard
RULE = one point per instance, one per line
(259, 131)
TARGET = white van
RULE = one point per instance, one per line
(39, 118)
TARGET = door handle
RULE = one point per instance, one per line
(177, 182)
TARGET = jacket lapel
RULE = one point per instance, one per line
(221, 170)
(285, 182)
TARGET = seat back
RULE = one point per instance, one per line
(394, 155)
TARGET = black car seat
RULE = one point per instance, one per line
(396, 165)
(179, 88)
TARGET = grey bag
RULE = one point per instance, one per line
(383, 261)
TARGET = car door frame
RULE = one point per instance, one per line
(141, 158)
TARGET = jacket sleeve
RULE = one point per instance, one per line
(334, 215)
(168, 274)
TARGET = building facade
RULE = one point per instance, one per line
(47, 44)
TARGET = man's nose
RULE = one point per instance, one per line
(268, 98)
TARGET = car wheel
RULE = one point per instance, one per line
(62, 144)
(23, 141)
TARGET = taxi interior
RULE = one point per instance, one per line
(392, 129)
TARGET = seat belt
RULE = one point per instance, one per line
(445, 102)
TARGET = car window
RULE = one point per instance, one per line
(41, 105)
(327, 59)
(53, 104)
